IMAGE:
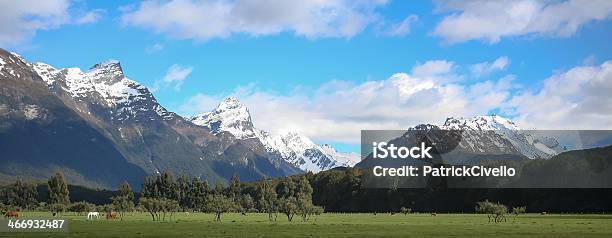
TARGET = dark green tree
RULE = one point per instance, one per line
(21, 194)
(218, 204)
(122, 204)
(125, 190)
(234, 188)
(149, 188)
(219, 188)
(268, 201)
(183, 187)
(197, 194)
(58, 190)
(289, 207)
(80, 207)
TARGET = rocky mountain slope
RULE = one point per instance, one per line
(125, 115)
(485, 134)
(233, 117)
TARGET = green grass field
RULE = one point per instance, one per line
(334, 225)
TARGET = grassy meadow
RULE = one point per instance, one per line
(334, 225)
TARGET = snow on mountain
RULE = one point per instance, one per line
(344, 159)
(525, 142)
(105, 80)
(233, 117)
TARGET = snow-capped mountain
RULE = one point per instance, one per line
(105, 128)
(502, 131)
(234, 117)
(105, 81)
(230, 116)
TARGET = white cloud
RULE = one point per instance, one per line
(485, 68)
(90, 17)
(575, 99)
(19, 20)
(208, 19)
(175, 76)
(338, 110)
(578, 98)
(441, 71)
(433, 67)
(200, 103)
(492, 20)
(154, 48)
(403, 28)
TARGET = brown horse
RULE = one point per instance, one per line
(111, 215)
(10, 214)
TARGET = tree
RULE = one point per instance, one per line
(246, 203)
(57, 208)
(314, 210)
(197, 194)
(151, 205)
(495, 211)
(234, 188)
(169, 206)
(122, 204)
(405, 210)
(80, 207)
(218, 204)
(149, 188)
(289, 207)
(516, 211)
(21, 194)
(286, 188)
(267, 199)
(125, 190)
(58, 189)
(219, 188)
(183, 188)
(166, 186)
(303, 198)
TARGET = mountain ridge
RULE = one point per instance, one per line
(234, 117)
(127, 115)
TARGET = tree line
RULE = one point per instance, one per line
(164, 195)
(336, 190)
(290, 196)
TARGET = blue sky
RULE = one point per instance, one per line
(274, 61)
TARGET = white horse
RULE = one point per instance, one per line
(91, 215)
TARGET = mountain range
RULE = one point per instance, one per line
(101, 128)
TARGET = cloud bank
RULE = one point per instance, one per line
(490, 21)
(578, 98)
(207, 19)
(20, 20)
(338, 110)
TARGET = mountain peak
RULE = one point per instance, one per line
(230, 102)
(108, 70)
(492, 122)
(231, 116)
(106, 64)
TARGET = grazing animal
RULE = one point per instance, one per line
(186, 213)
(91, 215)
(111, 215)
(433, 214)
(10, 214)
